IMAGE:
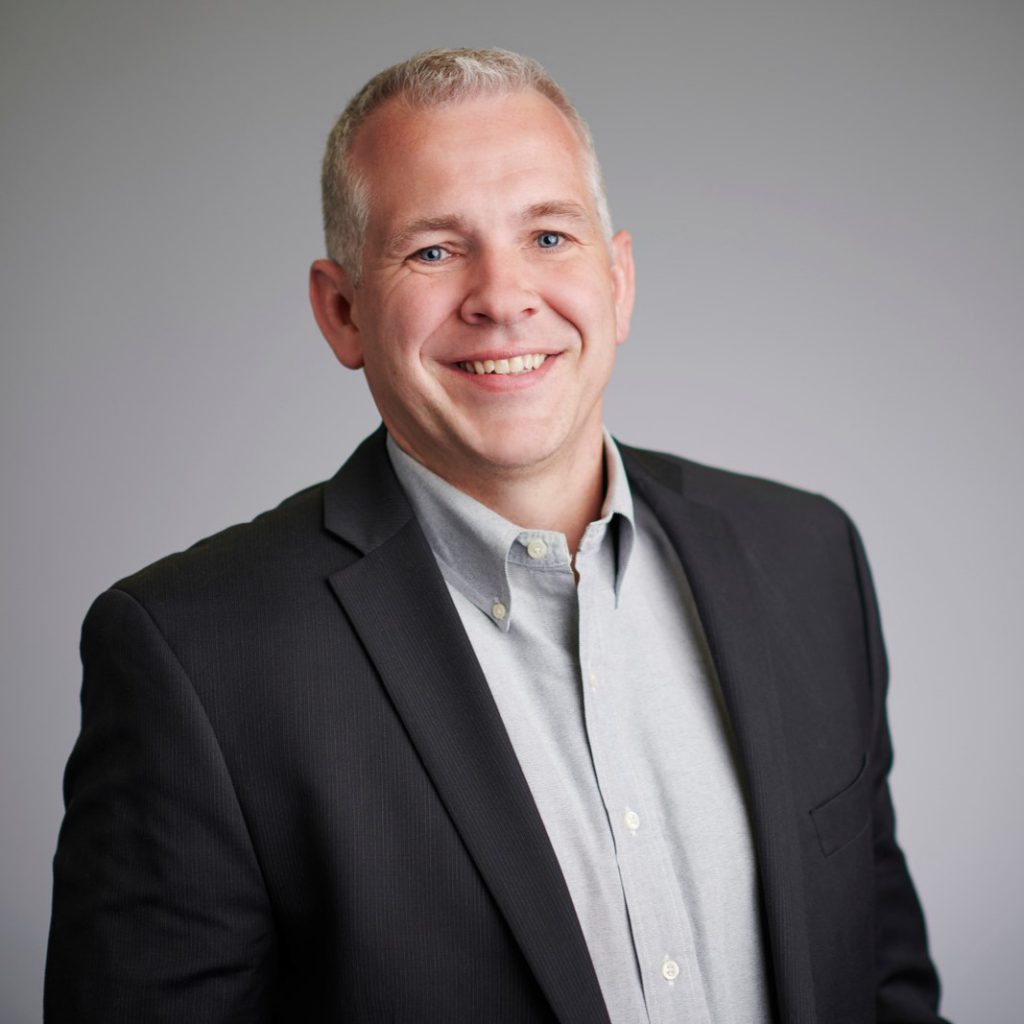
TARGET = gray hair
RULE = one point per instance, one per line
(430, 79)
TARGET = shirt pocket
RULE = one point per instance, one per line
(844, 816)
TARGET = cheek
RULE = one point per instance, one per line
(586, 300)
(420, 307)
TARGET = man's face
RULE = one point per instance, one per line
(483, 247)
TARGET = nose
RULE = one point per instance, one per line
(498, 291)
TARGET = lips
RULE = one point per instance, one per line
(514, 365)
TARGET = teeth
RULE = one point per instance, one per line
(517, 364)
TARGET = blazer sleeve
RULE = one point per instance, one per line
(159, 908)
(907, 983)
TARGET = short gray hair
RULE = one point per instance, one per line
(430, 79)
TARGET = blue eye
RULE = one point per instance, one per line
(549, 239)
(431, 254)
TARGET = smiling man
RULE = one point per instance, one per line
(506, 721)
(486, 301)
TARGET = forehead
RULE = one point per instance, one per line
(481, 146)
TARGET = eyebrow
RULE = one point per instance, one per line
(403, 237)
(400, 240)
(562, 209)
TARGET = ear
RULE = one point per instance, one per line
(331, 295)
(623, 284)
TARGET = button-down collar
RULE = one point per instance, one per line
(474, 545)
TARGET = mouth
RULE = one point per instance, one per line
(514, 366)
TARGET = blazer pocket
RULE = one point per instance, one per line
(841, 818)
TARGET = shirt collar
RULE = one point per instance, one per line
(473, 544)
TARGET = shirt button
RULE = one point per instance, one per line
(498, 610)
(670, 970)
(632, 820)
(536, 548)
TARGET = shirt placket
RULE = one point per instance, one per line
(662, 933)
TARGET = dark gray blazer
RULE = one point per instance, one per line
(293, 798)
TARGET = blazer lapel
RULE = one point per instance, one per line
(720, 579)
(397, 601)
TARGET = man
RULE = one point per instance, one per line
(505, 722)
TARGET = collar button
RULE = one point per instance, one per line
(536, 548)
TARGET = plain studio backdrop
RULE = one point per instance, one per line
(827, 214)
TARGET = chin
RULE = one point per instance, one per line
(521, 452)
(527, 444)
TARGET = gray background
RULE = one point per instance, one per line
(826, 203)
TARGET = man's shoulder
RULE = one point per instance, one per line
(737, 495)
(276, 547)
(790, 534)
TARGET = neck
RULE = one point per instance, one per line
(563, 497)
(561, 502)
